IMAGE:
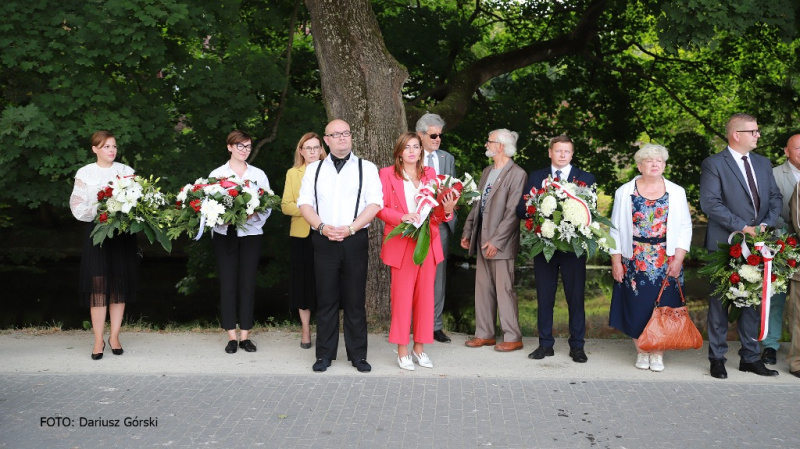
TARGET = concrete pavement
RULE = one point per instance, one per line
(183, 390)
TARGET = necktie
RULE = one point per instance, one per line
(751, 181)
(558, 175)
(430, 161)
(339, 163)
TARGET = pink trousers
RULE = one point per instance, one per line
(412, 300)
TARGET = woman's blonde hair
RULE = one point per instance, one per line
(299, 161)
(651, 151)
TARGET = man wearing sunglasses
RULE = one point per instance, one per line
(429, 129)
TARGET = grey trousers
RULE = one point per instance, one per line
(494, 292)
(748, 325)
(441, 278)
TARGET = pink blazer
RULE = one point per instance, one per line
(394, 207)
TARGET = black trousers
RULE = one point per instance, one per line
(237, 266)
(341, 272)
(573, 276)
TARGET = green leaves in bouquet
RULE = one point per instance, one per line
(423, 244)
(103, 231)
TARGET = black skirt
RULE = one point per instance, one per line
(304, 283)
(110, 273)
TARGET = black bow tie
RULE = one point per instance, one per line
(339, 162)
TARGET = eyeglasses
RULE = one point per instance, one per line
(410, 147)
(435, 136)
(337, 135)
(490, 141)
(313, 149)
(753, 132)
(243, 148)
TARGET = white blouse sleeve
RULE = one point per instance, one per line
(81, 202)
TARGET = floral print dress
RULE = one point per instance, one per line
(633, 299)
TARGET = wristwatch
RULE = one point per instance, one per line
(352, 231)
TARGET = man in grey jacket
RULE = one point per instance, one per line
(737, 193)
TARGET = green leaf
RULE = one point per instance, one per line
(423, 245)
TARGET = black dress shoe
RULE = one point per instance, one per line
(247, 345)
(231, 347)
(795, 373)
(114, 351)
(305, 345)
(440, 336)
(321, 365)
(769, 356)
(578, 355)
(362, 366)
(99, 355)
(542, 352)
(758, 368)
(718, 369)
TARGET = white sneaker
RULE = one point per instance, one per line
(656, 362)
(406, 363)
(643, 360)
(422, 359)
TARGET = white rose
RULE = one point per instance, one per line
(547, 206)
(113, 205)
(750, 273)
(548, 229)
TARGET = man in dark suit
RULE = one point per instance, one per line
(429, 129)
(737, 192)
(573, 268)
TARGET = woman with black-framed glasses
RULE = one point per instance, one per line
(304, 292)
(238, 250)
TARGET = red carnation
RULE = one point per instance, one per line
(753, 260)
(108, 191)
(735, 278)
(196, 204)
(774, 277)
(792, 263)
(100, 195)
(233, 192)
(529, 224)
(556, 179)
(260, 192)
(736, 251)
(791, 241)
(580, 183)
(782, 244)
(538, 230)
(530, 210)
(103, 217)
(526, 197)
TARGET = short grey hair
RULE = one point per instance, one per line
(428, 120)
(508, 139)
(651, 151)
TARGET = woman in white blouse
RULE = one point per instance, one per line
(109, 274)
(238, 250)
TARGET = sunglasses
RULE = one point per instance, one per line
(435, 136)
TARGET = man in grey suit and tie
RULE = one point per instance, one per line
(786, 176)
(429, 129)
(737, 192)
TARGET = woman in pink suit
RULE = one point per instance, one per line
(412, 285)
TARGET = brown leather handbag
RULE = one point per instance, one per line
(670, 329)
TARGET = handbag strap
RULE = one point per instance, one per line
(664, 285)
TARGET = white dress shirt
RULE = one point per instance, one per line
(564, 172)
(88, 181)
(337, 192)
(259, 178)
(411, 193)
(425, 160)
(740, 163)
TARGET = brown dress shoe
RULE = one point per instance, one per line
(478, 342)
(507, 346)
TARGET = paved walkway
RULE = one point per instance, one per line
(191, 394)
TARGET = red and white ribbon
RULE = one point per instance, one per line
(557, 185)
(766, 290)
(426, 201)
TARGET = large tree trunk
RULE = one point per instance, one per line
(361, 84)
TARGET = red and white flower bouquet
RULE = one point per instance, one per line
(431, 211)
(131, 204)
(563, 216)
(217, 201)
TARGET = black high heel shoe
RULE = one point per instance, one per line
(114, 351)
(99, 355)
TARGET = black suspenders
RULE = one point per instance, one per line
(360, 183)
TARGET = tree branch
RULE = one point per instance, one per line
(282, 103)
(454, 106)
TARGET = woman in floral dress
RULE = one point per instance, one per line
(653, 233)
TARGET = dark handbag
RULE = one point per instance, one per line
(670, 329)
